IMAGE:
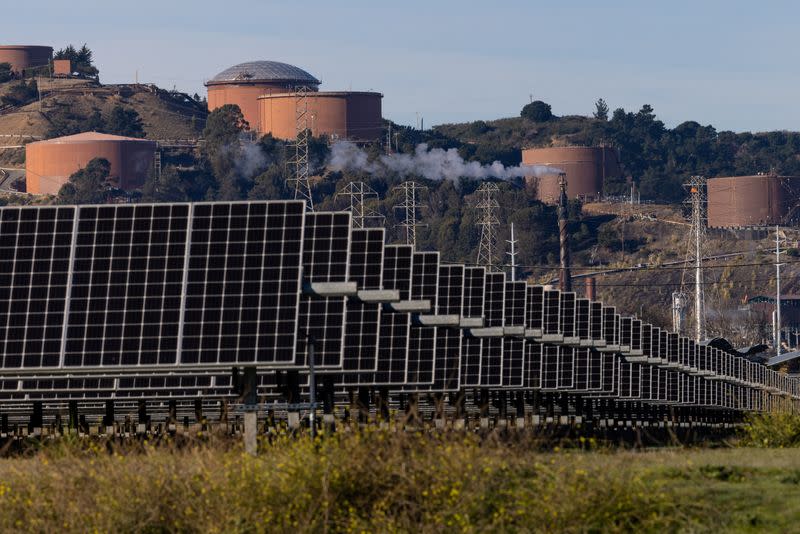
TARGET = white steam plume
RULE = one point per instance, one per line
(433, 164)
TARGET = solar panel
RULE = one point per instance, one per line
(35, 250)
(362, 319)
(551, 326)
(610, 329)
(127, 276)
(583, 322)
(474, 281)
(625, 334)
(492, 347)
(534, 311)
(673, 350)
(422, 339)
(514, 330)
(596, 325)
(394, 326)
(243, 282)
(326, 248)
(449, 301)
(569, 325)
(532, 364)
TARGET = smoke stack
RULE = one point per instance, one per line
(591, 292)
(565, 279)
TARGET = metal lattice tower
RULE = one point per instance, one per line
(565, 278)
(678, 310)
(698, 201)
(358, 193)
(410, 205)
(302, 186)
(487, 249)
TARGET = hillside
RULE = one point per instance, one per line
(68, 105)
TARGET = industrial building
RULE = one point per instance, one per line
(265, 92)
(22, 57)
(338, 114)
(242, 84)
(50, 163)
(587, 168)
(747, 201)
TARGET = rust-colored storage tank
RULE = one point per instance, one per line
(586, 168)
(340, 114)
(23, 57)
(62, 67)
(242, 85)
(742, 201)
(50, 163)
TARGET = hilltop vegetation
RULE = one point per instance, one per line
(658, 158)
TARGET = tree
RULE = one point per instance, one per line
(124, 121)
(88, 185)
(537, 111)
(82, 60)
(5, 72)
(20, 94)
(221, 151)
(601, 110)
(168, 188)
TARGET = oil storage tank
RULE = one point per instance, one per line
(50, 163)
(353, 115)
(586, 169)
(242, 84)
(22, 57)
(746, 201)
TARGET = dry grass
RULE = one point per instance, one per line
(370, 481)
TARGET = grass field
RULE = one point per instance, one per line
(376, 481)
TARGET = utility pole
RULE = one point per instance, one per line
(565, 277)
(778, 241)
(488, 223)
(302, 186)
(513, 254)
(358, 192)
(678, 310)
(410, 205)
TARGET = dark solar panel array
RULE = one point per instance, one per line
(394, 326)
(131, 289)
(326, 247)
(422, 339)
(474, 282)
(492, 347)
(127, 275)
(35, 250)
(513, 346)
(362, 320)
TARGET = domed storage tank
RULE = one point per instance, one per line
(340, 114)
(586, 168)
(242, 85)
(742, 201)
(50, 163)
(23, 57)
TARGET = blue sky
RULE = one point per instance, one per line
(732, 64)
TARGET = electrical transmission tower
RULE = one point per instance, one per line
(358, 193)
(302, 186)
(488, 224)
(697, 201)
(410, 205)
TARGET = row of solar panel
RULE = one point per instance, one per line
(196, 286)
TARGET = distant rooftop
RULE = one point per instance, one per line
(257, 71)
(92, 136)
